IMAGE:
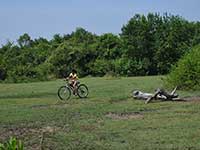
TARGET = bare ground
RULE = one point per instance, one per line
(192, 99)
(33, 137)
(124, 116)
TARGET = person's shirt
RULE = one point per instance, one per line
(73, 76)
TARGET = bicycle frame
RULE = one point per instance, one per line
(71, 87)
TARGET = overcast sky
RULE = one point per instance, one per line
(44, 18)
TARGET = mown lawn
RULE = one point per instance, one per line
(108, 119)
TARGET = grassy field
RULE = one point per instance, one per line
(108, 119)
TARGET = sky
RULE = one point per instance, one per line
(45, 18)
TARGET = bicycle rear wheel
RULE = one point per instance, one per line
(82, 91)
(64, 93)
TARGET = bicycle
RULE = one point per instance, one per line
(65, 92)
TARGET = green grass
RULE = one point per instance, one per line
(31, 112)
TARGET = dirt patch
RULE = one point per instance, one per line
(30, 136)
(23, 131)
(50, 129)
(88, 128)
(192, 99)
(124, 116)
(56, 105)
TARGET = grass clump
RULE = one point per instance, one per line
(12, 144)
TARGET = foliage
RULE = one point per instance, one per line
(12, 144)
(147, 45)
(186, 75)
(156, 41)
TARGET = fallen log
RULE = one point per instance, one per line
(159, 94)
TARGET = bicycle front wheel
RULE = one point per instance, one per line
(64, 93)
(82, 91)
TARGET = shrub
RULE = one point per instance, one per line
(186, 74)
(12, 144)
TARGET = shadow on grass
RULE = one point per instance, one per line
(45, 105)
(33, 95)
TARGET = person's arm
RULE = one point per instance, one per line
(76, 77)
(70, 76)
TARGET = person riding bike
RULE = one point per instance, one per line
(73, 80)
(72, 86)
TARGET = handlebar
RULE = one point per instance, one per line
(65, 79)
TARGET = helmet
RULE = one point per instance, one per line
(74, 71)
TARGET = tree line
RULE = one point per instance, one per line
(147, 45)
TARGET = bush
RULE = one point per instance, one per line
(12, 144)
(186, 75)
(101, 67)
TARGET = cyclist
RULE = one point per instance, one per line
(73, 79)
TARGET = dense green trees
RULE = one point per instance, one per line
(186, 74)
(147, 45)
(156, 42)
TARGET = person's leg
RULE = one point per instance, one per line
(75, 87)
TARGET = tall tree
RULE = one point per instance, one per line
(24, 40)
